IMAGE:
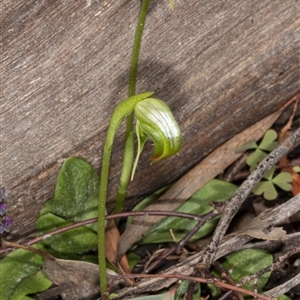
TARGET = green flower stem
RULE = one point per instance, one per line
(122, 110)
(127, 163)
(137, 46)
(128, 156)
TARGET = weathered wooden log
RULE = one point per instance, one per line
(220, 65)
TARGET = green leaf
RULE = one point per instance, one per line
(75, 199)
(267, 189)
(33, 284)
(268, 142)
(147, 201)
(269, 175)
(67, 244)
(76, 193)
(284, 297)
(214, 291)
(22, 275)
(215, 190)
(282, 180)
(133, 259)
(296, 169)
(164, 296)
(182, 290)
(254, 158)
(248, 262)
(248, 146)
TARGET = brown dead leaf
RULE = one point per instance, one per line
(255, 230)
(112, 236)
(260, 205)
(81, 278)
(284, 163)
(206, 170)
(295, 184)
(285, 130)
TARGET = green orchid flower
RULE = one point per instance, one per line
(155, 121)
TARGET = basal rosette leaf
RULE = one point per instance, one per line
(75, 199)
(76, 193)
(20, 275)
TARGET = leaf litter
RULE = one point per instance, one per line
(184, 188)
(71, 275)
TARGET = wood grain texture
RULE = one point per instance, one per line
(221, 66)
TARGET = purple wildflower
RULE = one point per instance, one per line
(5, 221)
(3, 207)
(5, 225)
(2, 193)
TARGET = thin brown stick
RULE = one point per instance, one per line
(178, 247)
(225, 275)
(200, 224)
(215, 282)
(112, 216)
(270, 218)
(271, 268)
(285, 287)
(229, 245)
(28, 248)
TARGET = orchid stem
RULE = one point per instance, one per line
(122, 110)
(128, 156)
(119, 113)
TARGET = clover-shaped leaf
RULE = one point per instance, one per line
(282, 180)
(254, 158)
(296, 169)
(248, 146)
(267, 144)
(267, 187)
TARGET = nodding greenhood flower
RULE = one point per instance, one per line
(155, 121)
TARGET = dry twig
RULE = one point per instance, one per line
(232, 206)
(268, 219)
